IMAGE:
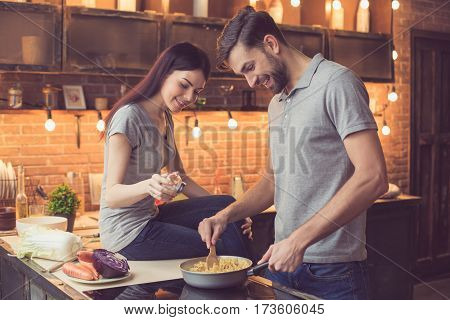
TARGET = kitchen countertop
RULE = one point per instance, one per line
(144, 283)
(62, 288)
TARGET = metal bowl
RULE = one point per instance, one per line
(218, 280)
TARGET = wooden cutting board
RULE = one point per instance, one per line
(141, 271)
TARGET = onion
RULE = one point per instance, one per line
(108, 265)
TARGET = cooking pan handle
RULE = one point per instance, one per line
(257, 269)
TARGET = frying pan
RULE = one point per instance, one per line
(218, 280)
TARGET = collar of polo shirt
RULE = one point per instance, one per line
(306, 78)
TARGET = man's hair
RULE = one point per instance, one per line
(249, 28)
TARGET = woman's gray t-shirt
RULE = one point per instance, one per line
(150, 152)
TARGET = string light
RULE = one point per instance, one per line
(386, 130)
(232, 123)
(100, 123)
(196, 131)
(337, 5)
(394, 54)
(49, 125)
(295, 3)
(364, 4)
(393, 96)
(395, 4)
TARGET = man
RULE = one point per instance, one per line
(326, 164)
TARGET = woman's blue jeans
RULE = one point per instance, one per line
(173, 233)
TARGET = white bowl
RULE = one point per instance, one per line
(50, 222)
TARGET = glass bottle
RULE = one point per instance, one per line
(21, 198)
(15, 96)
(363, 16)
(50, 96)
(76, 182)
(276, 11)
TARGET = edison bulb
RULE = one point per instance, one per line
(337, 5)
(364, 4)
(196, 132)
(392, 96)
(295, 3)
(395, 5)
(101, 125)
(50, 125)
(394, 54)
(386, 130)
(232, 124)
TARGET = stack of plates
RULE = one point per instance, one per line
(8, 181)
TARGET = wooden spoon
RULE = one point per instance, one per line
(212, 259)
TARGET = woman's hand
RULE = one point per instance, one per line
(161, 187)
(247, 227)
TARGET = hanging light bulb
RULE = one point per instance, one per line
(385, 130)
(196, 132)
(395, 4)
(394, 54)
(364, 4)
(232, 123)
(100, 123)
(295, 3)
(337, 5)
(393, 96)
(49, 125)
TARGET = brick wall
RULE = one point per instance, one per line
(48, 156)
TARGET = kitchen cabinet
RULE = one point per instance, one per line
(309, 40)
(109, 41)
(368, 55)
(30, 37)
(202, 32)
(99, 41)
(391, 247)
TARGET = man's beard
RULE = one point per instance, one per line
(279, 74)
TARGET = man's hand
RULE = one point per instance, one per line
(247, 228)
(210, 229)
(284, 256)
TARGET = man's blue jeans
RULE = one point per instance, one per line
(331, 281)
(173, 234)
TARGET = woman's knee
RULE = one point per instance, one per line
(223, 200)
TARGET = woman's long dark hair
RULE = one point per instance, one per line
(179, 57)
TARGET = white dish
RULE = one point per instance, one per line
(2, 180)
(14, 183)
(50, 222)
(10, 170)
(102, 280)
(8, 181)
(5, 179)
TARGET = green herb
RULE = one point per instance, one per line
(63, 201)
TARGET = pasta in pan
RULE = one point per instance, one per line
(225, 265)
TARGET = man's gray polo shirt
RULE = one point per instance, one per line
(310, 162)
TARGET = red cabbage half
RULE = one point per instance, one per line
(108, 265)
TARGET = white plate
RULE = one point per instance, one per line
(2, 180)
(9, 184)
(102, 280)
(14, 182)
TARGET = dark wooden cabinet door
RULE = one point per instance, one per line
(430, 149)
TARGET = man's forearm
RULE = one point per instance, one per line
(354, 197)
(254, 201)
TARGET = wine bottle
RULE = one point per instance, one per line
(21, 197)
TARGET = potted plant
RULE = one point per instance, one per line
(63, 202)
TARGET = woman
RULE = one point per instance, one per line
(139, 142)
